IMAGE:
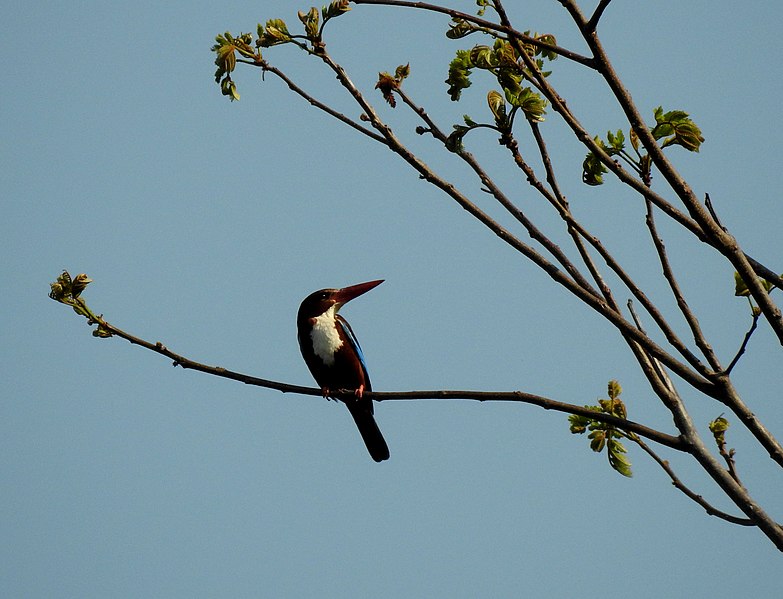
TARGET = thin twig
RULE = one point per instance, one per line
(501, 197)
(711, 209)
(728, 457)
(485, 24)
(678, 484)
(711, 231)
(658, 368)
(745, 341)
(561, 205)
(512, 396)
(315, 102)
(589, 298)
(592, 24)
(674, 286)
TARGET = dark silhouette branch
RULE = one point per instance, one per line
(592, 24)
(713, 233)
(678, 484)
(682, 304)
(501, 197)
(109, 330)
(745, 341)
(484, 24)
(314, 101)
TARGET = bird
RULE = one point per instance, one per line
(335, 359)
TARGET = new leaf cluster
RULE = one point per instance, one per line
(605, 436)
(671, 128)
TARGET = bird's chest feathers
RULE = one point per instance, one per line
(325, 337)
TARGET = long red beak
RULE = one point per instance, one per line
(346, 294)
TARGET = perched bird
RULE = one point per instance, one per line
(335, 359)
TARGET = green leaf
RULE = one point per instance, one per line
(592, 167)
(616, 141)
(459, 74)
(459, 28)
(402, 72)
(741, 288)
(578, 424)
(275, 32)
(530, 102)
(497, 105)
(676, 128)
(719, 426)
(634, 139)
(335, 9)
(602, 435)
(546, 38)
(597, 440)
(617, 459)
(483, 57)
(229, 88)
(310, 20)
(454, 141)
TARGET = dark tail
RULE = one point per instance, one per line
(368, 428)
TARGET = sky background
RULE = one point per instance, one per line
(204, 223)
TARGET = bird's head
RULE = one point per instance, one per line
(322, 301)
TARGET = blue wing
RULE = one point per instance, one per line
(357, 349)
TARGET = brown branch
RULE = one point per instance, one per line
(313, 101)
(745, 341)
(674, 286)
(485, 24)
(711, 232)
(678, 484)
(582, 135)
(590, 299)
(592, 24)
(559, 202)
(502, 199)
(605, 307)
(513, 396)
(561, 206)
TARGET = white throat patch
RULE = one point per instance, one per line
(326, 340)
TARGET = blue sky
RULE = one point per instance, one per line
(204, 224)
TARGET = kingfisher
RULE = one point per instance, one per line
(335, 359)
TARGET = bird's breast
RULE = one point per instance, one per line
(325, 338)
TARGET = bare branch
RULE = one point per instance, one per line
(561, 206)
(512, 396)
(711, 209)
(485, 24)
(685, 309)
(712, 232)
(504, 201)
(315, 102)
(745, 341)
(592, 24)
(678, 484)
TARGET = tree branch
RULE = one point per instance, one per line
(512, 396)
(712, 231)
(745, 341)
(505, 29)
(685, 309)
(592, 24)
(314, 101)
(678, 484)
